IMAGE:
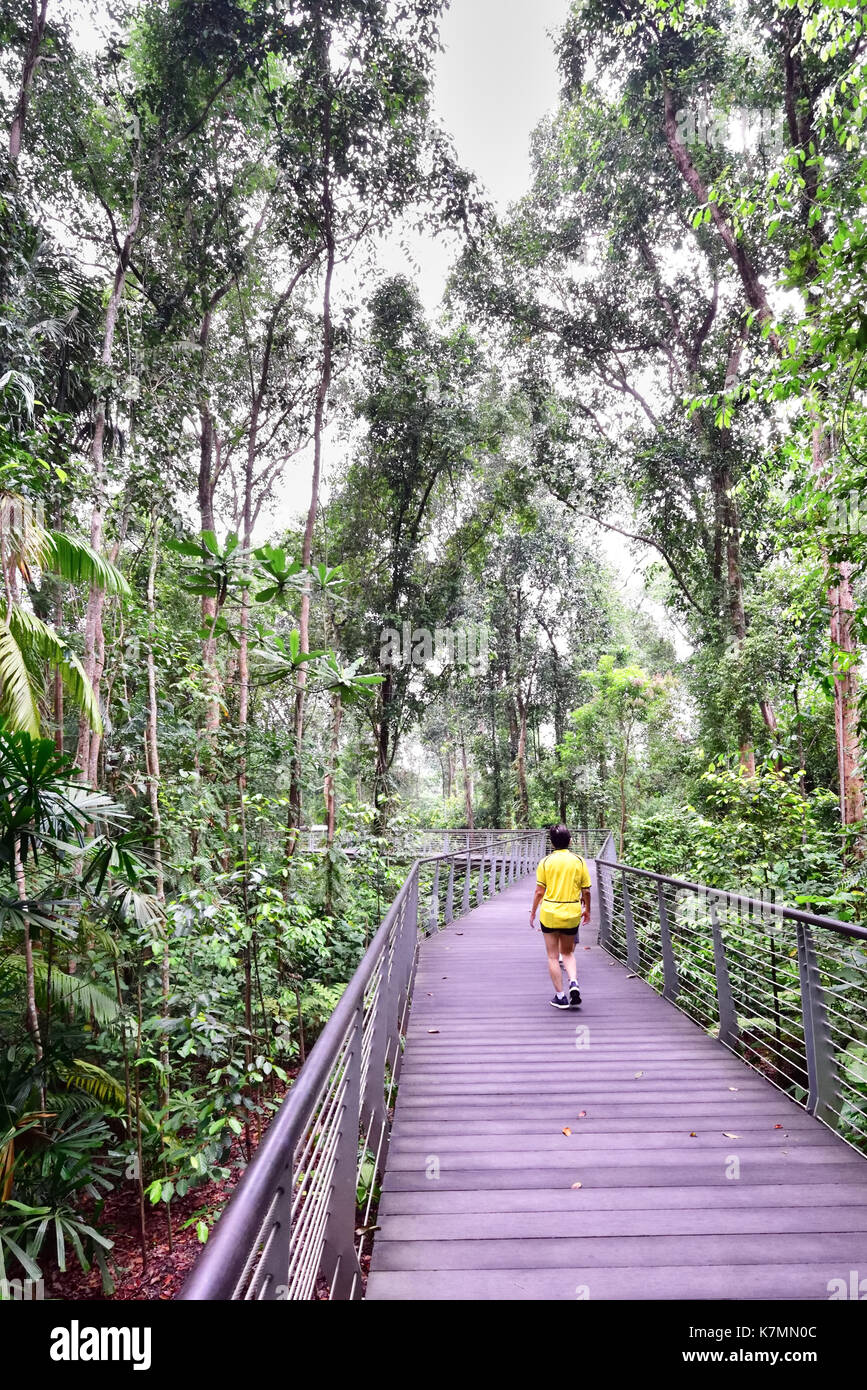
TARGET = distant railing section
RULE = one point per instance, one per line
(297, 1226)
(411, 842)
(784, 989)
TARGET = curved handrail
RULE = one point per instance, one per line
(783, 988)
(290, 1224)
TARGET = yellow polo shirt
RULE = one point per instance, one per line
(564, 874)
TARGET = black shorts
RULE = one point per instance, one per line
(561, 931)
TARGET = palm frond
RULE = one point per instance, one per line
(75, 991)
(18, 698)
(79, 563)
(29, 631)
(97, 1082)
(23, 532)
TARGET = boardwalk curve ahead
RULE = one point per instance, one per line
(698, 1178)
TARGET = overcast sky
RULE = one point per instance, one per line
(495, 80)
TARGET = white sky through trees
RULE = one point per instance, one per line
(495, 80)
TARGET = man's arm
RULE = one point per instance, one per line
(537, 898)
(585, 899)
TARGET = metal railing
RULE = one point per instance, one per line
(407, 842)
(297, 1225)
(785, 990)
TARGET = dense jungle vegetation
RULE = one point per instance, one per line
(282, 549)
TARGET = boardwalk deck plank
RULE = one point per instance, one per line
(491, 1077)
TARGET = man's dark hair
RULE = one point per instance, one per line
(561, 836)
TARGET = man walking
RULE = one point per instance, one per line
(562, 899)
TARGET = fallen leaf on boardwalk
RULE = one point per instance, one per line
(567, 1130)
(365, 1230)
(632, 977)
(692, 1134)
(576, 1184)
(778, 1126)
(728, 1135)
(588, 948)
(582, 1114)
(639, 1073)
(458, 933)
(734, 1088)
(433, 1030)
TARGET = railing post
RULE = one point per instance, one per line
(503, 879)
(405, 943)
(373, 1100)
(633, 958)
(339, 1256)
(818, 1044)
(671, 984)
(604, 935)
(433, 920)
(480, 891)
(450, 893)
(465, 901)
(728, 1022)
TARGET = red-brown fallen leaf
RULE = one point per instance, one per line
(778, 1126)
(588, 948)
(582, 1114)
(692, 1134)
(567, 1130)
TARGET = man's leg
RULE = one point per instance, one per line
(552, 946)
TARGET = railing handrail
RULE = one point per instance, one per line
(795, 914)
(789, 1004)
(266, 1189)
(227, 1246)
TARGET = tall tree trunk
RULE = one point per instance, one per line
(94, 645)
(331, 798)
(153, 770)
(325, 375)
(205, 497)
(495, 757)
(844, 643)
(38, 12)
(29, 968)
(330, 776)
(382, 735)
(521, 763)
(468, 785)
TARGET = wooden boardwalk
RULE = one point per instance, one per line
(480, 1198)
